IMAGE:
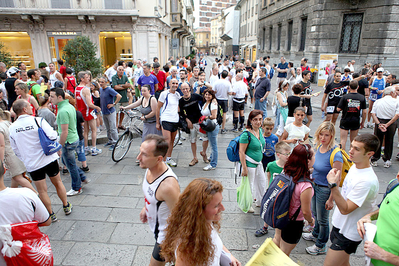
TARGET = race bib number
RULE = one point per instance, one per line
(330, 109)
(373, 96)
(93, 114)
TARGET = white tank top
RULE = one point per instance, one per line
(157, 211)
(53, 78)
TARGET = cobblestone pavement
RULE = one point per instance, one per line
(104, 227)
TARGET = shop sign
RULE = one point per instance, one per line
(63, 33)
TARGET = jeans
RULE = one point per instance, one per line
(80, 151)
(68, 158)
(110, 125)
(322, 227)
(213, 140)
(261, 106)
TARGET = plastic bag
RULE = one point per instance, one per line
(244, 195)
(25, 244)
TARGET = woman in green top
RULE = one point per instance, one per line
(252, 144)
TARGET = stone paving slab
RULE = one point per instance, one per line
(133, 234)
(94, 231)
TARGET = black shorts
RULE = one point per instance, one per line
(156, 252)
(238, 106)
(224, 104)
(170, 126)
(309, 111)
(293, 232)
(251, 90)
(52, 169)
(340, 242)
(349, 125)
(331, 110)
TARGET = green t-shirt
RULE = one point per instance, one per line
(36, 89)
(120, 81)
(273, 169)
(254, 148)
(67, 115)
(387, 232)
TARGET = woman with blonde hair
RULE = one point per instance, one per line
(22, 90)
(322, 201)
(192, 234)
(12, 163)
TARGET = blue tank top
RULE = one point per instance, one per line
(380, 85)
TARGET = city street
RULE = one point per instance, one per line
(104, 227)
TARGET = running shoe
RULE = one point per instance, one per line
(85, 169)
(387, 164)
(74, 192)
(95, 151)
(68, 208)
(315, 250)
(171, 163)
(261, 232)
(53, 217)
(65, 171)
(223, 131)
(309, 237)
(208, 168)
(375, 164)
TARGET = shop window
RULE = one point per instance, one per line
(18, 44)
(6, 3)
(350, 36)
(113, 4)
(60, 3)
(115, 46)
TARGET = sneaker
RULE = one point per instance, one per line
(107, 144)
(68, 208)
(309, 237)
(95, 151)
(208, 168)
(179, 143)
(182, 138)
(74, 192)
(387, 164)
(250, 106)
(111, 147)
(241, 129)
(235, 130)
(307, 229)
(200, 138)
(315, 250)
(85, 169)
(251, 210)
(65, 171)
(223, 131)
(261, 232)
(375, 164)
(171, 163)
(53, 217)
(86, 181)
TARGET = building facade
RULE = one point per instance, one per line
(365, 31)
(248, 28)
(181, 22)
(216, 42)
(207, 9)
(203, 40)
(230, 31)
(37, 30)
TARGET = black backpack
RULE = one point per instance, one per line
(219, 117)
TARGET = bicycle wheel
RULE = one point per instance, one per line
(177, 138)
(122, 146)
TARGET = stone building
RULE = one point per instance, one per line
(207, 9)
(248, 28)
(203, 40)
(361, 30)
(36, 31)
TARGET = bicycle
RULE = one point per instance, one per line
(134, 125)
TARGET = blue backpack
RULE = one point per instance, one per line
(49, 146)
(234, 148)
(275, 206)
(271, 73)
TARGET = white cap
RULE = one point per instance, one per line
(380, 69)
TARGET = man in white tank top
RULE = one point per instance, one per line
(54, 75)
(161, 191)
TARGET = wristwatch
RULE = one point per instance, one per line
(332, 185)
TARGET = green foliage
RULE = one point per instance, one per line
(80, 54)
(5, 56)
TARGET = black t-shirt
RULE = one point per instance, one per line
(250, 73)
(12, 96)
(190, 108)
(335, 91)
(351, 105)
(293, 102)
(79, 121)
(363, 84)
(307, 90)
(262, 86)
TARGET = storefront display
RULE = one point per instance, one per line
(18, 44)
(115, 46)
(57, 42)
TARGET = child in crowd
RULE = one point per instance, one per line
(270, 140)
(283, 150)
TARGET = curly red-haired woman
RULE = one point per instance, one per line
(192, 235)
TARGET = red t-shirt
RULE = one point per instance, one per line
(63, 71)
(71, 84)
(161, 77)
(305, 68)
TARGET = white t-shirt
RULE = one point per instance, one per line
(213, 79)
(361, 187)
(222, 87)
(205, 110)
(110, 73)
(218, 245)
(169, 112)
(241, 89)
(17, 207)
(295, 132)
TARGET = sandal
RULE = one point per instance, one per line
(193, 162)
(204, 157)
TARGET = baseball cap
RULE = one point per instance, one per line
(13, 70)
(380, 69)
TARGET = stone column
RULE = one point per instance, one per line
(40, 43)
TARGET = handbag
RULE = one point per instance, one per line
(49, 146)
(244, 195)
(183, 125)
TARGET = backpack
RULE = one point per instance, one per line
(30, 86)
(271, 73)
(391, 186)
(233, 149)
(219, 117)
(275, 206)
(346, 165)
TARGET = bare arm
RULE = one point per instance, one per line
(375, 252)
(159, 106)
(33, 101)
(59, 76)
(168, 191)
(86, 94)
(306, 198)
(366, 219)
(2, 147)
(280, 100)
(243, 161)
(329, 203)
(323, 107)
(132, 105)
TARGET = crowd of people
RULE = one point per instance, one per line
(181, 96)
